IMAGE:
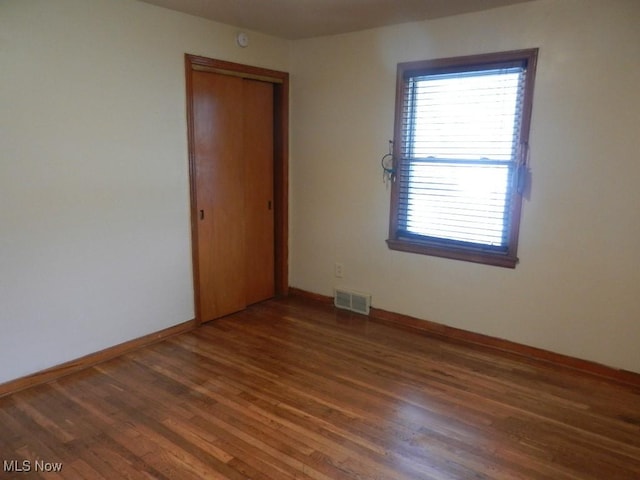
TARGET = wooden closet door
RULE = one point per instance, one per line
(233, 146)
(218, 148)
(258, 161)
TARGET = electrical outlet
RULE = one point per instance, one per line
(338, 270)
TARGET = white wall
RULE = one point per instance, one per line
(576, 290)
(95, 242)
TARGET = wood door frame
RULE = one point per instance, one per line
(280, 81)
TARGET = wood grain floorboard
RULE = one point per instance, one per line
(293, 389)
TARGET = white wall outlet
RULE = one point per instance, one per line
(338, 270)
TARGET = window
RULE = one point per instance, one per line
(460, 153)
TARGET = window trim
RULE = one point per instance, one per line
(395, 241)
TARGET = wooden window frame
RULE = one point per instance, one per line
(415, 244)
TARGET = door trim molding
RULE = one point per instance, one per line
(232, 73)
(280, 81)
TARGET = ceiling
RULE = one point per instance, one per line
(295, 19)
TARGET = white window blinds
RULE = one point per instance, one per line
(458, 166)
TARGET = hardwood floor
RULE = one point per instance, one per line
(293, 389)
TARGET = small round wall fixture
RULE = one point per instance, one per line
(242, 39)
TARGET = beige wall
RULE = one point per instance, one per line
(576, 290)
(94, 198)
(95, 242)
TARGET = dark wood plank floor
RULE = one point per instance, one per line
(292, 389)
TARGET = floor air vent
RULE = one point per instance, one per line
(354, 301)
